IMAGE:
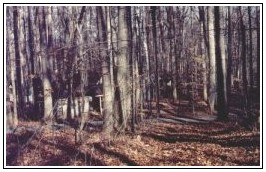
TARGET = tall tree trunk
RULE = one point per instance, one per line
(104, 29)
(223, 55)
(258, 48)
(177, 50)
(12, 104)
(156, 59)
(250, 50)
(212, 92)
(138, 65)
(203, 55)
(229, 53)
(132, 59)
(122, 67)
(173, 51)
(246, 103)
(148, 65)
(18, 55)
(162, 40)
(113, 69)
(44, 49)
(32, 54)
(78, 41)
(69, 57)
(220, 63)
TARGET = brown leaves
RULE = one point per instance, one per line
(155, 143)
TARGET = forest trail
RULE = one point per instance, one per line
(169, 113)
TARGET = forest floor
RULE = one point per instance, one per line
(173, 139)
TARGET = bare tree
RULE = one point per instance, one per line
(203, 55)
(249, 118)
(19, 55)
(212, 90)
(229, 53)
(104, 30)
(123, 67)
(12, 114)
(69, 55)
(78, 41)
(221, 67)
(45, 20)
(146, 49)
(258, 48)
(250, 50)
(156, 58)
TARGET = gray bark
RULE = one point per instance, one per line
(221, 67)
(250, 49)
(258, 48)
(212, 91)
(203, 55)
(229, 53)
(104, 29)
(12, 116)
(156, 59)
(47, 89)
(18, 55)
(123, 68)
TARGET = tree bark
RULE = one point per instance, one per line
(156, 59)
(258, 48)
(246, 103)
(12, 114)
(104, 29)
(78, 41)
(220, 63)
(148, 65)
(123, 68)
(250, 50)
(44, 52)
(203, 55)
(212, 91)
(18, 56)
(69, 57)
(229, 53)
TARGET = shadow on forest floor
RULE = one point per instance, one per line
(187, 140)
(233, 141)
(71, 152)
(166, 144)
(118, 155)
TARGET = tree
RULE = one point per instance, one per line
(229, 54)
(69, 56)
(249, 119)
(78, 40)
(31, 39)
(153, 10)
(250, 49)
(123, 68)
(212, 80)
(244, 68)
(19, 55)
(32, 55)
(12, 114)
(203, 55)
(104, 30)
(258, 48)
(44, 25)
(147, 54)
(221, 67)
(132, 63)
